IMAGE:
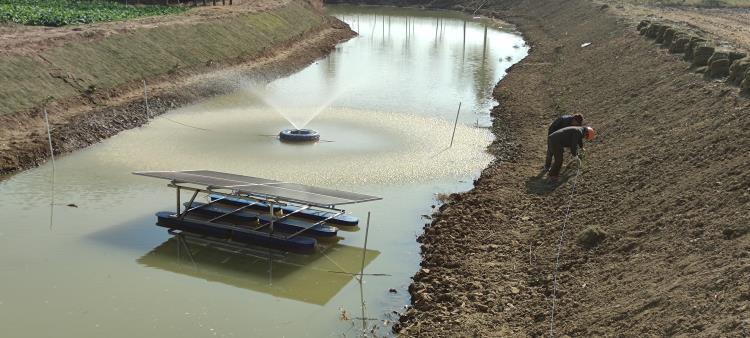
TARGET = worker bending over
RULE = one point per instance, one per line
(575, 120)
(568, 137)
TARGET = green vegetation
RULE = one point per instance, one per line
(85, 66)
(71, 12)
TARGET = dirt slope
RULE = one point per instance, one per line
(95, 72)
(730, 25)
(667, 179)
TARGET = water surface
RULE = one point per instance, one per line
(385, 104)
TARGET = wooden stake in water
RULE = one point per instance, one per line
(49, 138)
(52, 156)
(455, 124)
(364, 249)
(145, 98)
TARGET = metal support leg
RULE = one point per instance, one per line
(270, 206)
(177, 212)
(364, 249)
(190, 205)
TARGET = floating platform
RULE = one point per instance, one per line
(237, 233)
(257, 217)
(314, 215)
(235, 210)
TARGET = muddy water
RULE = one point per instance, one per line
(384, 104)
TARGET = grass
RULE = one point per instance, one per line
(697, 3)
(84, 66)
(72, 12)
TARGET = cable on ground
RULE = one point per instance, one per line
(559, 248)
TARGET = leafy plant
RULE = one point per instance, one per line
(72, 12)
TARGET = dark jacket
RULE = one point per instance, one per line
(568, 137)
(560, 123)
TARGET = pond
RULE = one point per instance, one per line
(384, 103)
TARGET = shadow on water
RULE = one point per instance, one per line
(137, 235)
(313, 279)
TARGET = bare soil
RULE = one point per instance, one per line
(666, 179)
(729, 26)
(82, 121)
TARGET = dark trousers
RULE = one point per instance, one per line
(555, 150)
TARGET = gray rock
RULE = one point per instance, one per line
(735, 55)
(641, 25)
(737, 71)
(660, 33)
(719, 68)
(701, 54)
(668, 35)
(718, 55)
(653, 30)
(680, 44)
(745, 85)
(694, 41)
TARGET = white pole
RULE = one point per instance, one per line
(49, 138)
(52, 156)
(364, 249)
(145, 98)
(455, 124)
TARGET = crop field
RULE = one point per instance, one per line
(72, 12)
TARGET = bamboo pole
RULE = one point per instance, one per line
(455, 124)
(52, 156)
(145, 99)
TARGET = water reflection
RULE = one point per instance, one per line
(392, 94)
(432, 60)
(313, 279)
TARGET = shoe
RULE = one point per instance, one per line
(553, 179)
(545, 169)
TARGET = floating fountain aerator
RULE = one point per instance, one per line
(299, 135)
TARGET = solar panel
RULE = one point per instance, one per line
(291, 192)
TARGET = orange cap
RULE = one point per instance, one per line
(590, 133)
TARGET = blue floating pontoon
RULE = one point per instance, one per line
(256, 218)
(236, 233)
(235, 210)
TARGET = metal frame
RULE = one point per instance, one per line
(254, 190)
(252, 200)
(249, 185)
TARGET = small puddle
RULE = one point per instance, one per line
(384, 104)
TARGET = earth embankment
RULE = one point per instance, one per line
(91, 78)
(664, 189)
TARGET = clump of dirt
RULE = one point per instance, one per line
(591, 237)
(736, 231)
(667, 175)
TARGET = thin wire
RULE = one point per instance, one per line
(559, 248)
(336, 264)
(186, 125)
